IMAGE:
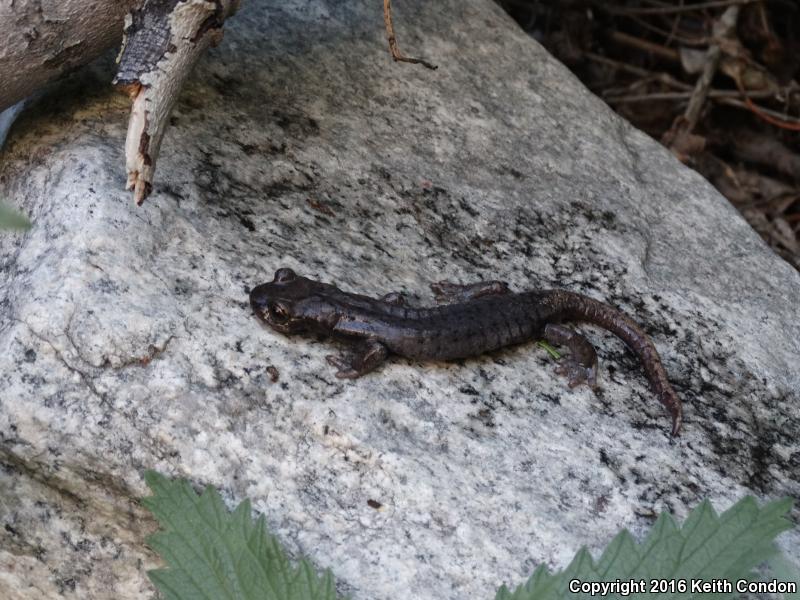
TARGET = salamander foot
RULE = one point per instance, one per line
(577, 373)
(366, 357)
(581, 364)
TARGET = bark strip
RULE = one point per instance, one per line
(163, 41)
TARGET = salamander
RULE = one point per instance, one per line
(469, 320)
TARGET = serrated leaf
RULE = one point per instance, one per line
(780, 569)
(708, 547)
(11, 219)
(220, 555)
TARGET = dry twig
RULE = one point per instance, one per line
(770, 116)
(671, 10)
(723, 28)
(396, 54)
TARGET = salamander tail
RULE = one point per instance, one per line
(578, 307)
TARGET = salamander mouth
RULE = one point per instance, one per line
(284, 324)
(262, 308)
(261, 313)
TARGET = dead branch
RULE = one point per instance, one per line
(634, 42)
(163, 41)
(766, 114)
(723, 28)
(680, 138)
(671, 35)
(665, 78)
(661, 96)
(669, 10)
(758, 148)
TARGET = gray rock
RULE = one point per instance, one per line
(126, 341)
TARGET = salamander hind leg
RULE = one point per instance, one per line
(581, 364)
(367, 356)
(446, 292)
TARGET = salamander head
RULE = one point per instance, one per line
(291, 303)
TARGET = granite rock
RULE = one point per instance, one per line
(126, 340)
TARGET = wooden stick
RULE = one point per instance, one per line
(713, 94)
(724, 27)
(163, 41)
(646, 45)
(667, 10)
(770, 116)
(665, 78)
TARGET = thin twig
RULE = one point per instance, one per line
(667, 10)
(646, 45)
(396, 54)
(670, 35)
(714, 94)
(665, 78)
(675, 24)
(770, 116)
(723, 27)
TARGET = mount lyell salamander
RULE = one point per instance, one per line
(471, 319)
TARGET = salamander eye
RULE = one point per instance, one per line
(278, 313)
(284, 275)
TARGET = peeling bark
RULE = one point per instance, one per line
(163, 41)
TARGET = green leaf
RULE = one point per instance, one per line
(220, 555)
(11, 219)
(780, 569)
(216, 554)
(708, 547)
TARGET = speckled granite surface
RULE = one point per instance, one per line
(126, 341)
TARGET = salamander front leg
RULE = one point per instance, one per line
(453, 293)
(396, 298)
(581, 364)
(366, 357)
